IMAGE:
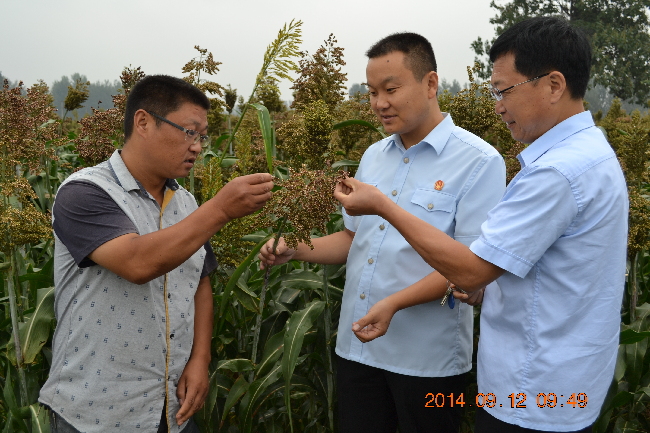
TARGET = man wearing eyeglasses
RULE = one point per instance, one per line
(555, 243)
(132, 256)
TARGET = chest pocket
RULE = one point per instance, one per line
(434, 205)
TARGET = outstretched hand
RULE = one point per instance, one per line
(244, 195)
(376, 322)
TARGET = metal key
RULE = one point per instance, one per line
(447, 294)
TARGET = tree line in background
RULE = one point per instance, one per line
(618, 30)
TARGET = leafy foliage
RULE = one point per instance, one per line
(306, 135)
(77, 95)
(320, 76)
(101, 133)
(268, 94)
(206, 64)
(619, 32)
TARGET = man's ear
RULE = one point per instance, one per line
(432, 82)
(142, 123)
(557, 85)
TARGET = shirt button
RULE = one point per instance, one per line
(381, 227)
(406, 160)
(371, 261)
(430, 206)
(394, 193)
(363, 296)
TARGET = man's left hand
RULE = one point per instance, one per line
(192, 389)
(375, 323)
(470, 298)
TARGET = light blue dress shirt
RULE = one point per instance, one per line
(427, 340)
(552, 323)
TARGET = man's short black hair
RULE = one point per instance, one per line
(161, 94)
(417, 50)
(545, 44)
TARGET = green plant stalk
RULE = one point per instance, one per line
(328, 351)
(634, 283)
(258, 319)
(9, 284)
(229, 132)
(24, 287)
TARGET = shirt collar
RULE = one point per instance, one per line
(556, 134)
(125, 179)
(437, 138)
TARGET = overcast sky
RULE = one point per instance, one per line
(44, 39)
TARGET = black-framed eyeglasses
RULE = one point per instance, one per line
(195, 136)
(498, 94)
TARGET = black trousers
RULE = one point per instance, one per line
(486, 423)
(372, 400)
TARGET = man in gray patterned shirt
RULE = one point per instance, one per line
(132, 257)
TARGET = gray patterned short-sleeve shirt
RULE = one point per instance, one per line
(119, 348)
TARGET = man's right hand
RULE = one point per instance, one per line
(282, 254)
(244, 195)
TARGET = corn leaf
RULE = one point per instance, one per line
(630, 336)
(40, 423)
(235, 275)
(345, 163)
(35, 331)
(628, 426)
(272, 351)
(236, 391)
(635, 352)
(248, 405)
(302, 280)
(237, 365)
(299, 323)
(219, 386)
(244, 296)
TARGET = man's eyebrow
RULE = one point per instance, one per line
(384, 81)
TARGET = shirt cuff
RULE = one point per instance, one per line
(501, 258)
(348, 221)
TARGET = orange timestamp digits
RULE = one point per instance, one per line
(551, 400)
(516, 401)
(442, 400)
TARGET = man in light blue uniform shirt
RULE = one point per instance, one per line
(444, 175)
(556, 242)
